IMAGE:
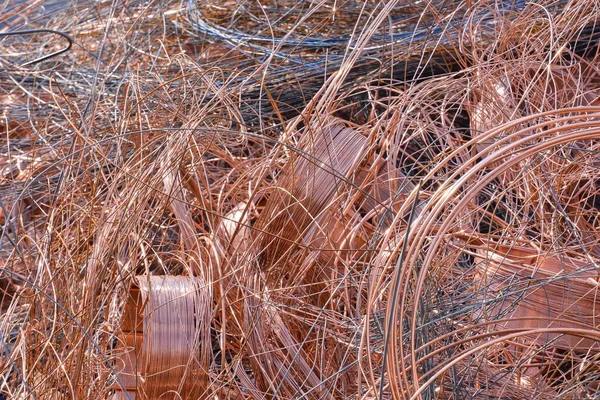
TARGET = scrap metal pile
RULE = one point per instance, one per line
(299, 199)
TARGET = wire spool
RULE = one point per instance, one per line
(542, 291)
(159, 340)
(307, 187)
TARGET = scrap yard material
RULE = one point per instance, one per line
(299, 199)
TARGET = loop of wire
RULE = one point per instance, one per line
(36, 31)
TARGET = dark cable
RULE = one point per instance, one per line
(35, 31)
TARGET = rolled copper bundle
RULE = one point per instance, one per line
(542, 291)
(159, 339)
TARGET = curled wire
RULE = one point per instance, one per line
(36, 31)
